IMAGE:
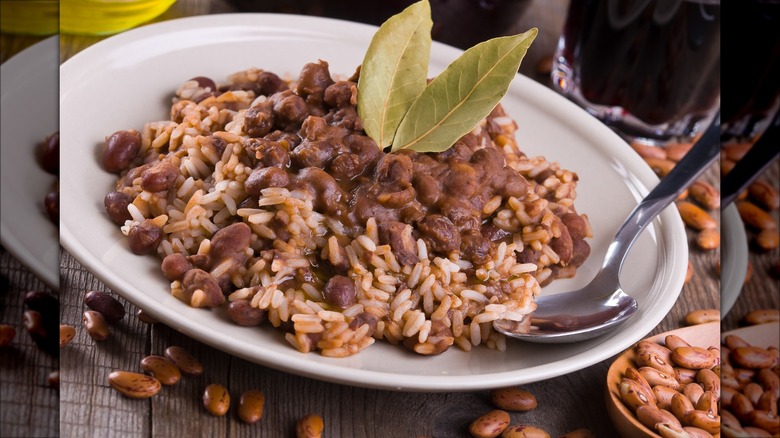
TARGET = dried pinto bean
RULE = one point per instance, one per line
(680, 406)
(709, 381)
(634, 395)
(162, 369)
(663, 396)
(250, 406)
(513, 399)
(702, 316)
(674, 341)
(54, 379)
(695, 217)
(693, 392)
(43, 302)
(145, 317)
(650, 415)
(655, 377)
(651, 359)
(693, 357)
(703, 420)
(524, 431)
(764, 194)
(108, 306)
(7, 334)
(310, 426)
(134, 385)
(216, 399)
(184, 360)
(768, 240)
(752, 357)
(684, 375)
(41, 330)
(705, 194)
(708, 239)
(755, 217)
(67, 333)
(762, 316)
(96, 325)
(489, 425)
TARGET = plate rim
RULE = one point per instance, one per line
(351, 376)
(734, 258)
(9, 238)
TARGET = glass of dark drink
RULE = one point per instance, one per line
(650, 69)
(459, 23)
(751, 88)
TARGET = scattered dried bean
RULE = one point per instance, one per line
(705, 194)
(708, 239)
(67, 333)
(250, 406)
(764, 194)
(7, 334)
(768, 240)
(99, 301)
(162, 369)
(184, 360)
(513, 399)
(755, 217)
(96, 325)
(134, 385)
(695, 217)
(216, 399)
(489, 425)
(54, 379)
(145, 317)
(524, 431)
(702, 316)
(310, 426)
(762, 316)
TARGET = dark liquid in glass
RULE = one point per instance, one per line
(657, 59)
(459, 23)
(751, 91)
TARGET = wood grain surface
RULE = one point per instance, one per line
(88, 407)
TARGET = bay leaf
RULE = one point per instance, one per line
(394, 71)
(463, 94)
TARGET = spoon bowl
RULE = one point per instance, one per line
(602, 305)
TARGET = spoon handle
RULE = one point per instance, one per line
(685, 172)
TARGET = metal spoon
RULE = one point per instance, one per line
(602, 305)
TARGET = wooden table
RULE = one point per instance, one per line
(88, 407)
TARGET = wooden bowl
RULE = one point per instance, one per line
(760, 335)
(627, 425)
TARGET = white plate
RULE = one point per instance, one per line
(733, 258)
(128, 80)
(29, 85)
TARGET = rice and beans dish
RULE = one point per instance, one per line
(265, 195)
